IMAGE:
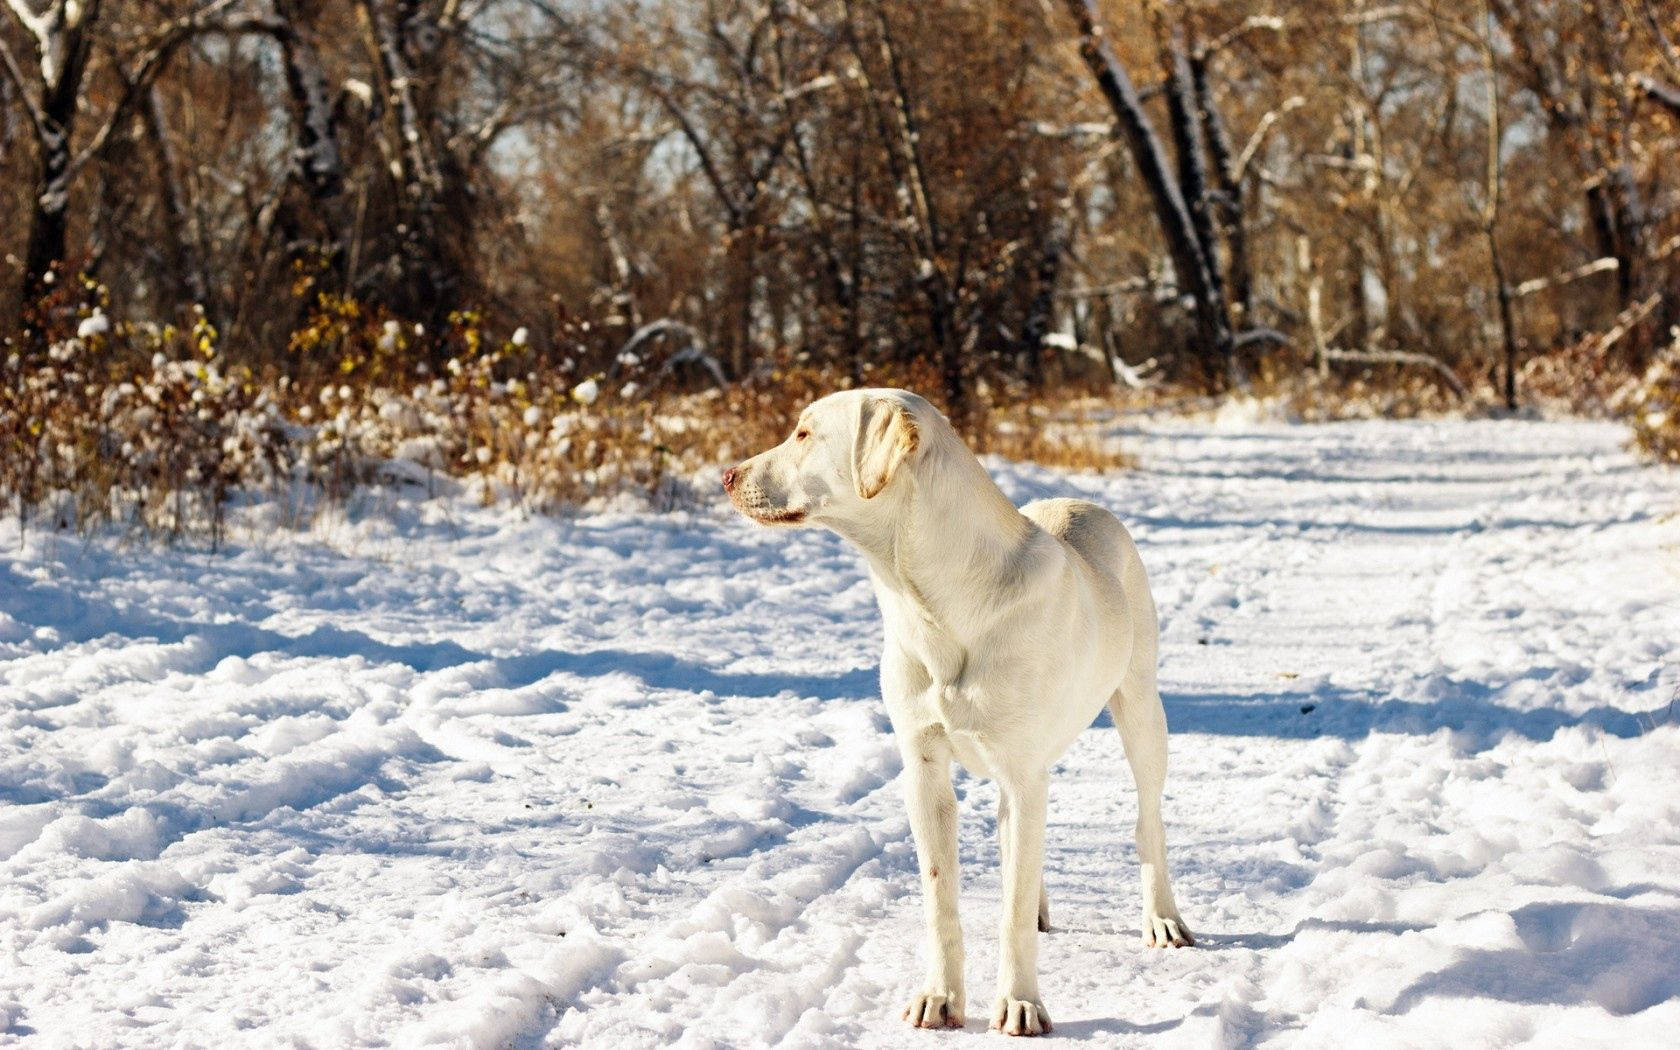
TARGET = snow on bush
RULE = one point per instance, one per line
(152, 426)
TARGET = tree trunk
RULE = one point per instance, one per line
(942, 321)
(1195, 269)
(186, 275)
(64, 57)
(315, 154)
(1041, 312)
(1239, 280)
(426, 263)
(1187, 141)
(49, 223)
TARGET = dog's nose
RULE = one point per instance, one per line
(729, 477)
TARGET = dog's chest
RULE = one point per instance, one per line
(963, 680)
(927, 643)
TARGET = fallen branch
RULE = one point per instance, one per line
(1086, 129)
(1129, 286)
(1137, 378)
(1400, 357)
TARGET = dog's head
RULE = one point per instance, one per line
(846, 450)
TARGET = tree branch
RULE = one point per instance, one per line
(1540, 284)
(157, 55)
(1665, 46)
(1240, 168)
(695, 142)
(1247, 25)
(1625, 321)
(1662, 94)
(15, 75)
(39, 26)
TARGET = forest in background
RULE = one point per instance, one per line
(351, 224)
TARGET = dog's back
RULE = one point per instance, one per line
(1089, 529)
(1098, 536)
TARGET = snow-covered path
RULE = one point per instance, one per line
(623, 780)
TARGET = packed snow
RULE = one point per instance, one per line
(446, 775)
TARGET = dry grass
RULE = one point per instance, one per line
(151, 429)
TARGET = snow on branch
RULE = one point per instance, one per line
(1664, 95)
(1540, 284)
(690, 352)
(39, 26)
(1239, 167)
(1257, 336)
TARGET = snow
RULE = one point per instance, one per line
(445, 775)
(93, 324)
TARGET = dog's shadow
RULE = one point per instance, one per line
(1099, 1027)
(1092, 1027)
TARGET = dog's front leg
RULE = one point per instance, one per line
(933, 821)
(1018, 1010)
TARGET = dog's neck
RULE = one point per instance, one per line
(937, 545)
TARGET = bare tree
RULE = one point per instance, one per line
(1195, 269)
(62, 35)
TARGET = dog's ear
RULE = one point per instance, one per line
(886, 436)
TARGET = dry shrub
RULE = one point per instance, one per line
(151, 428)
(163, 444)
(1581, 379)
(1653, 405)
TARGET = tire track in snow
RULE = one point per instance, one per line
(1387, 794)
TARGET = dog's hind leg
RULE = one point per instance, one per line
(1043, 897)
(1137, 711)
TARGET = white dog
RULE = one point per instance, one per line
(1006, 632)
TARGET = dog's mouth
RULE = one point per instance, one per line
(755, 503)
(780, 517)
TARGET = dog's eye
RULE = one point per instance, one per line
(802, 435)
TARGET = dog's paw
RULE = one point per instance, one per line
(1019, 1017)
(1166, 931)
(934, 1010)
